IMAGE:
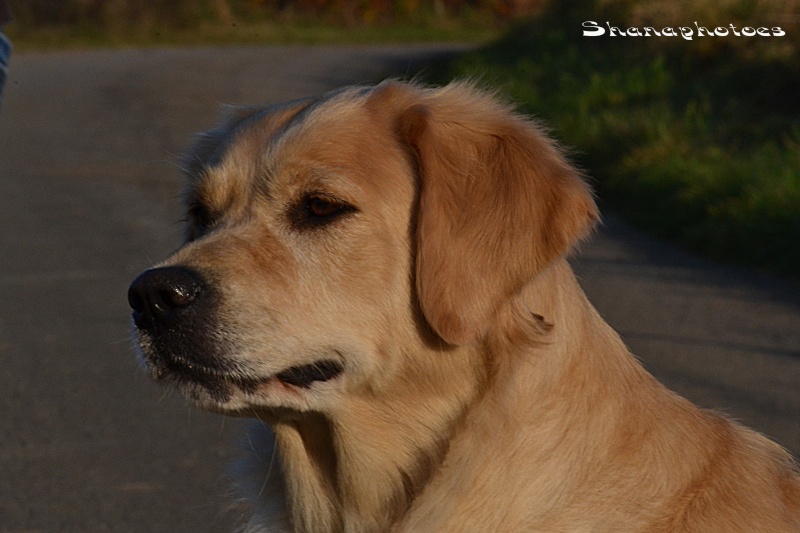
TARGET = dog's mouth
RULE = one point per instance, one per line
(304, 375)
(222, 376)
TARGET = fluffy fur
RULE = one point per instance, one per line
(480, 390)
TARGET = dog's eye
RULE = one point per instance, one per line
(201, 217)
(319, 207)
(317, 210)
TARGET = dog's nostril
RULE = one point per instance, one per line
(135, 300)
(157, 294)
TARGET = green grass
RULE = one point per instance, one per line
(282, 30)
(695, 141)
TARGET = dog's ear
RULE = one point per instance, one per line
(498, 203)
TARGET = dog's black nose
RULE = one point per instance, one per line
(160, 294)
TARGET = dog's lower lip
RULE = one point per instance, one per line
(182, 368)
(304, 375)
(173, 366)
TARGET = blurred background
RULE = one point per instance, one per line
(693, 147)
(710, 127)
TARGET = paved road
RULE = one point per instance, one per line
(88, 198)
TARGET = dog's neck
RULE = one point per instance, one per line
(360, 468)
(560, 403)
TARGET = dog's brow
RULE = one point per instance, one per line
(311, 107)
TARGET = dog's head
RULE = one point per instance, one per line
(332, 240)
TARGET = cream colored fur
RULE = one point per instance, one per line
(481, 391)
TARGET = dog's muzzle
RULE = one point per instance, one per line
(175, 310)
(175, 313)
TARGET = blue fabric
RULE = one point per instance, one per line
(5, 54)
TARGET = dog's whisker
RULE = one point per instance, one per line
(124, 340)
(268, 475)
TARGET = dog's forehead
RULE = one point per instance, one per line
(327, 137)
(226, 157)
(331, 123)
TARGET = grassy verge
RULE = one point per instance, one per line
(252, 29)
(696, 141)
(59, 38)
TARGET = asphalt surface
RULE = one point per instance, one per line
(89, 197)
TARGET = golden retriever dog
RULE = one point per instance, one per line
(378, 275)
